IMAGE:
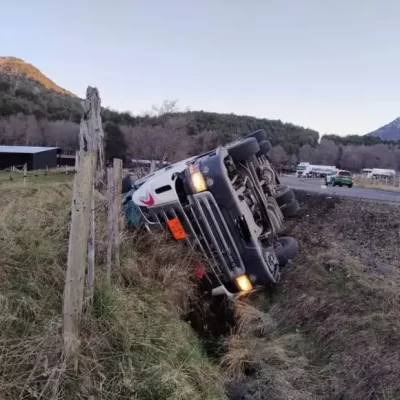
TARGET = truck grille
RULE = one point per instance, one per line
(206, 228)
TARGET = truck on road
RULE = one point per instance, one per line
(307, 170)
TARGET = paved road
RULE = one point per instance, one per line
(314, 185)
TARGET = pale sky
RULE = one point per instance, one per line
(331, 65)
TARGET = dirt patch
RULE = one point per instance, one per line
(331, 328)
(366, 230)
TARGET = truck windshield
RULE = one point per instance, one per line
(344, 173)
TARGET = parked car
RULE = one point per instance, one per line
(229, 204)
(340, 178)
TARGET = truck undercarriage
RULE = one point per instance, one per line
(229, 205)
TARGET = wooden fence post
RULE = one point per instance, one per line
(91, 138)
(25, 169)
(152, 166)
(91, 133)
(77, 255)
(117, 164)
(110, 224)
(114, 195)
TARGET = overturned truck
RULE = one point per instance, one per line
(227, 203)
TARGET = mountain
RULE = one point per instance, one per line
(15, 67)
(25, 90)
(389, 132)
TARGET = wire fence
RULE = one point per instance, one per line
(380, 182)
(19, 173)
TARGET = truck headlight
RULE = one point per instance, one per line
(243, 283)
(197, 178)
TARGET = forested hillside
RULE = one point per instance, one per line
(30, 99)
(35, 111)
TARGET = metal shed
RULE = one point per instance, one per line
(34, 157)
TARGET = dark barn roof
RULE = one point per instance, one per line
(26, 149)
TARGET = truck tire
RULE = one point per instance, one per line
(286, 249)
(290, 209)
(265, 147)
(260, 135)
(284, 195)
(244, 150)
(127, 184)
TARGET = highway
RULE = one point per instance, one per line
(316, 185)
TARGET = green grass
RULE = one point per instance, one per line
(134, 343)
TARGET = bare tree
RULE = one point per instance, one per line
(352, 158)
(305, 153)
(166, 108)
(166, 142)
(204, 141)
(279, 156)
(326, 153)
(165, 139)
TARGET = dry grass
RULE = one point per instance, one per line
(12, 180)
(134, 342)
(331, 332)
(379, 184)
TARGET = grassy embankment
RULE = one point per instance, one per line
(330, 330)
(134, 342)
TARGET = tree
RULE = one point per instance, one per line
(161, 142)
(115, 145)
(279, 156)
(161, 135)
(305, 153)
(326, 153)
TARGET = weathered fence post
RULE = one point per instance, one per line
(91, 133)
(117, 164)
(114, 195)
(92, 139)
(77, 254)
(110, 222)
(152, 166)
(25, 169)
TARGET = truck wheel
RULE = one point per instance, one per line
(244, 150)
(351, 185)
(260, 135)
(127, 184)
(286, 249)
(290, 209)
(265, 147)
(284, 195)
